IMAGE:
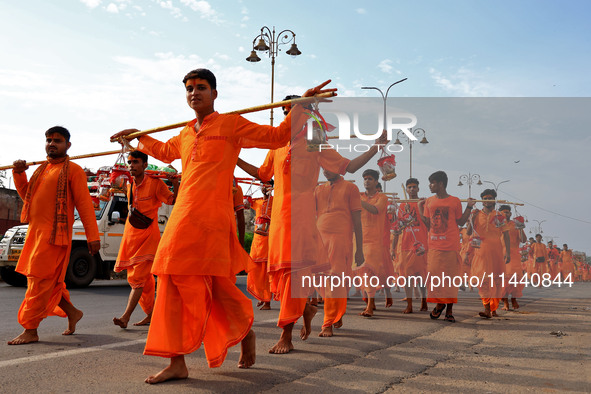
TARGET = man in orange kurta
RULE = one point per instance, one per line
(199, 254)
(567, 268)
(138, 246)
(489, 259)
(55, 189)
(540, 256)
(375, 251)
(293, 237)
(443, 214)
(513, 270)
(338, 211)
(258, 281)
(413, 249)
(553, 255)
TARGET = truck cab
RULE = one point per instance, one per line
(83, 268)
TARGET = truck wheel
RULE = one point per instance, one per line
(81, 269)
(13, 278)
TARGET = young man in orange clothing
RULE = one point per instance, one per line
(55, 189)
(376, 252)
(139, 245)
(443, 214)
(338, 208)
(490, 258)
(258, 281)
(413, 262)
(513, 270)
(540, 256)
(197, 299)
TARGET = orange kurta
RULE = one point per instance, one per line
(513, 270)
(489, 258)
(293, 236)
(335, 203)
(410, 263)
(258, 282)
(443, 258)
(466, 252)
(567, 267)
(199, 253)
(139, 246)
(540, 258)
(45, 264)
(374, 249)
(553, 268)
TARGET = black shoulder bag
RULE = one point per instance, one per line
(136, 218)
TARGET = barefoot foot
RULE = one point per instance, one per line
(121, 321)
(27, 336)
(309, 313)
(326, 332)
(73, 318)
(176, 370)
(266, 306)
(338, 324)
(145, 321)
(247, 350)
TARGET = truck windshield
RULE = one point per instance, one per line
(98, 212)
(6, 237)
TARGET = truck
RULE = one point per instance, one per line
(83, 268)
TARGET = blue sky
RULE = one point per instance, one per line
(99, 66)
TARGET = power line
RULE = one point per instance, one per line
(544, 209)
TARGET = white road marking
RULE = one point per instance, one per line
(74, 352)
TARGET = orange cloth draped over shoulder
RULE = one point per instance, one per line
(513, 270)
(45, 264)
(443, 257)
(138, 246)
(489, 258)
(335, 203)
(258, 281)
(410, 263)
(199, 253)
(293, 236)
(374, 249)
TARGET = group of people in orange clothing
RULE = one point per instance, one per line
(304, 232)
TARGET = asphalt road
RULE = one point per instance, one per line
(391, 352)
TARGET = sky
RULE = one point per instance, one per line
(97, 67)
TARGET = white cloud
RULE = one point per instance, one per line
(201, 7)
(112, 8)
(91, 3)
(463, 82)
(361, 11)
(385, 66)
(175, 11)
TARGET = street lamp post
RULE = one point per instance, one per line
(384, 96)
(417, 133)
(469, 179)
(269, 41)
(497, 185)
(537, 229)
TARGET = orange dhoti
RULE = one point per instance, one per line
(44, 294)
(195, 309)
(292, 308)
(442, 267)
(139, 276)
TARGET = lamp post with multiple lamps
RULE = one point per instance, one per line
(497, 185)
(469, 179)
(269, 41)
(417, 133)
